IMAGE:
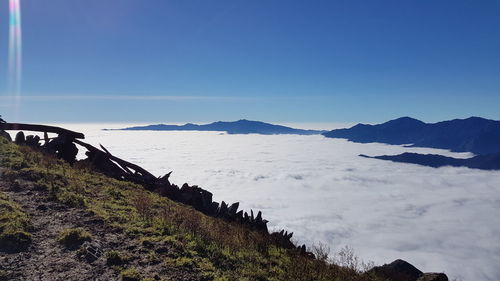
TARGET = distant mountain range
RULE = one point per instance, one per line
(483, 162)
(477, 135)
(474, 134)
(236, 127)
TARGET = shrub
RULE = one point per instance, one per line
(15, 241)
(143, 203)
(71, 199)
(180, 262)
(14, 226)
(131, 274)
(116, 258)
(74, 237)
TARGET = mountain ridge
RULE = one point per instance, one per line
(482, 162)
(474, 134)
(241, 126)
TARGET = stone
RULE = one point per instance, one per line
(398, 270)
(33, 141)
(258, 219)
(20, 139)
(433, 277)
(68, 152)
(5, 135)
(233, 209)
(222, 209)
(214, 207)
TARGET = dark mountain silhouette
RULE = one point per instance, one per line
(474, 134)
(484, 162)
(236, 127)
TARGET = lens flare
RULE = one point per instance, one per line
(15, 48)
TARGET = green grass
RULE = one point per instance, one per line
(14, 226)
(116, 258)
(74, 237)
(205, 245)
(131, 274)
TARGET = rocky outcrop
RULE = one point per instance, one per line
(433, 277)
(400, 270)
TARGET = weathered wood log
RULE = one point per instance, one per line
(41, 128)
(122, 169)
(147, 175)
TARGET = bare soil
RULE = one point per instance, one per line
(47, 260)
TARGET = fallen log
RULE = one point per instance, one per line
(41, 128)
(138, 175)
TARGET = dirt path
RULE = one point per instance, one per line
(46, 259)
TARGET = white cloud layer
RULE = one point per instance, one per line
(444, 219)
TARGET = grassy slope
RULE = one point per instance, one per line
(14, 226)
(210, 247)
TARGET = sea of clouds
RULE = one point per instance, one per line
(445, 219)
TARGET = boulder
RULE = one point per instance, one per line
(214, 208)
(433, 277)
(32, 140)
(222, 210)
(20, 139)
(398, 270)
(233, 209)
(5, 135)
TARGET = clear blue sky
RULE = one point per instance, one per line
(289, 61)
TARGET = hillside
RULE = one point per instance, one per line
(236, 127)
(71, 223)
(474, 134)
(90, 220)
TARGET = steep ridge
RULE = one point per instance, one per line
(474, 134)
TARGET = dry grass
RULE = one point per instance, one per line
(214, 248)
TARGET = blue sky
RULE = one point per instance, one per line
(286, 61)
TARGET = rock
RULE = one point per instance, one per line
(233, 209)
(433, 277)
(282, 239)
(5, 135)
(258, 219)
(206, 198)
(68, 152)
(20, 139)
(222, 209)
(398, 270)
(238, 217)
(32, 140)
(214, 207)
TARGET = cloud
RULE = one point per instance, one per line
(442, 219)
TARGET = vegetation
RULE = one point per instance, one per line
(172, 235)
(131, 274)
(14, 226)
(74, 237)
(116, 258)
